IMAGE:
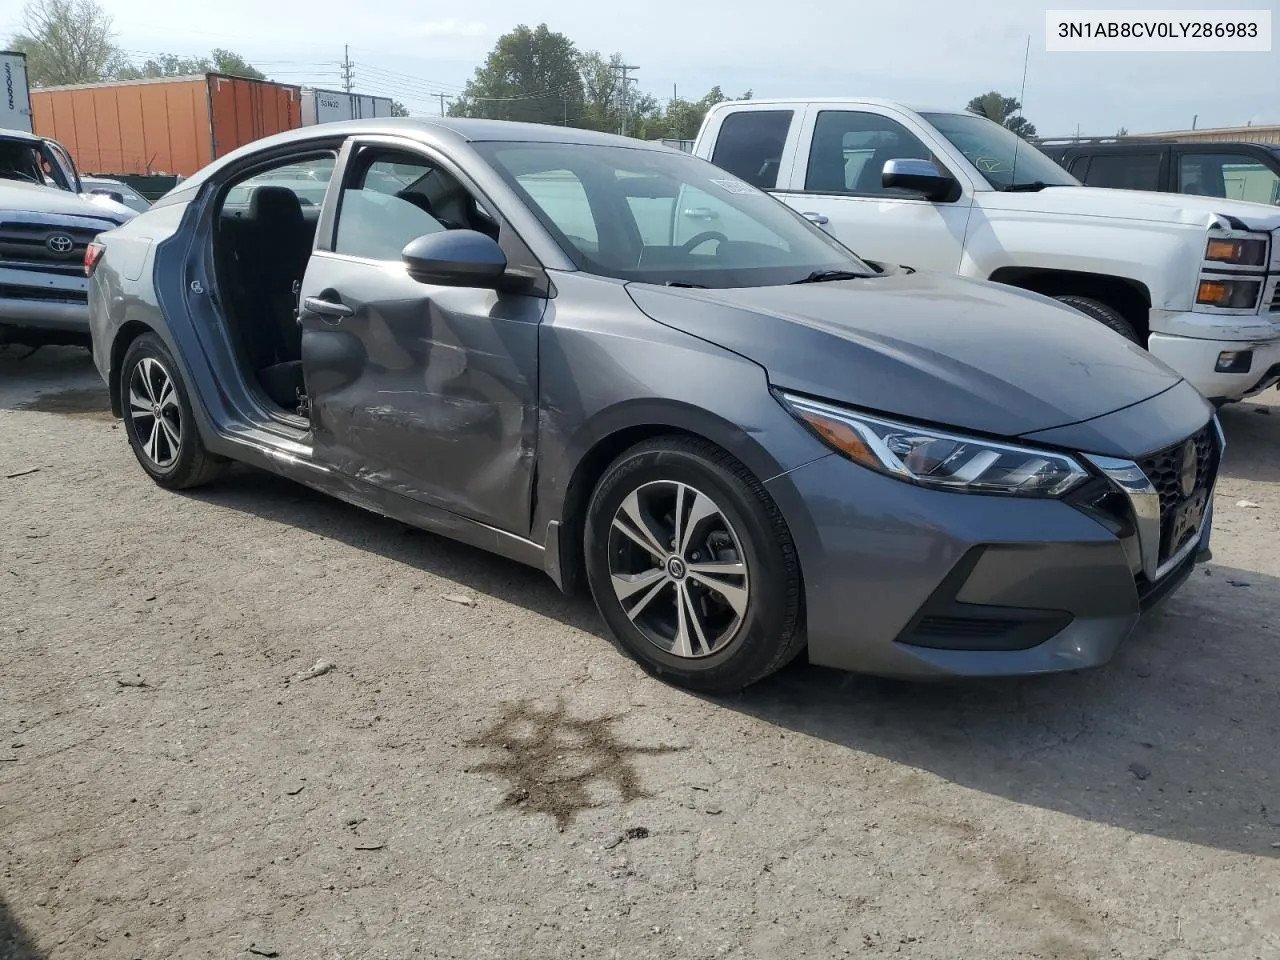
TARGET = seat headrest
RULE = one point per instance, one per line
(278, 205)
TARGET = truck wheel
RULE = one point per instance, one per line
(1103, 314)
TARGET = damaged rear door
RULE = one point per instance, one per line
(426, 391)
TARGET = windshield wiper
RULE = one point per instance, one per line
(685, 284)
(1035, 186)
(821, 276)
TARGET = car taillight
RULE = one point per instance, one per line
(92, 254)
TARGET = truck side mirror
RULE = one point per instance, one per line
(922, 175)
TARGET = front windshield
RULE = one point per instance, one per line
(999, 154)
(658, 217)
(20, 161)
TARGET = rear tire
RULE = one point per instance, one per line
(1105, 315)
(158, 420)
(723, 607)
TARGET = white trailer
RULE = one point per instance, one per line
(15, 97)
(330, 106)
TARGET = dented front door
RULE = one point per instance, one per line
(426, 391)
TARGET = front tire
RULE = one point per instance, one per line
(158, 418)
(692, 566)
(1105, 315)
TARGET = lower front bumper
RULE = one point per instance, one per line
(908, 582)
(1196, 359)
(58, 315)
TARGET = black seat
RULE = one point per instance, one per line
(277, 246)
(282, 242)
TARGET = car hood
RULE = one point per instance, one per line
(930, 348)
(35, 198)
(1136, 205)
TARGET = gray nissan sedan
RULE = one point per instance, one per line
(625, 366)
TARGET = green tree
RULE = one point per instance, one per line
(172, 65)
(398, 109)
(66, 41)
(601, 92)
(1006, 111)
(530, 75)
(683, 118)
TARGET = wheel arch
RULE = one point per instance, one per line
(602, 441)
(129, 331)
(1130, 298)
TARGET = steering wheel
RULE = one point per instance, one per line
(699, 239)
(23, 176)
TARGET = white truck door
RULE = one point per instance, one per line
(836, 180)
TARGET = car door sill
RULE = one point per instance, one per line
(291, 457)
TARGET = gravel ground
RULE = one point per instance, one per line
(254, 721)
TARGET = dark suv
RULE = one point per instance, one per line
(1238, 171)
(46, 225)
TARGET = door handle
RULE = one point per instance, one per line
(327, 308)
(817, 218)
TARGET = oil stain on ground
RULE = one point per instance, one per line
(90, 403)
(553, 761)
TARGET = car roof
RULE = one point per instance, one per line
(846, 101)
(19, 135)
(440, 132)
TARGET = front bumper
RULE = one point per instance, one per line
(33, 300)
(1195, 359)
(908, 582)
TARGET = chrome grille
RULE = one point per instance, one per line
(1275, 298)
(29, 242)
(1181, 512)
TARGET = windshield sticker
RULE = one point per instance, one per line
(735, 186)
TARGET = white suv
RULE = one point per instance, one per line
(1194, 279)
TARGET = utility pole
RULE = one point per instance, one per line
(626, 94)
(347, 72)
(441, 96)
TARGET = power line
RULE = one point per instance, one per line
(397, 75)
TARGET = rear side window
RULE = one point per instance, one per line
(1078, 166)
(750, 144)
(1128, 171)
(1229, 175)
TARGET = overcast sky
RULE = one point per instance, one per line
(936, 52)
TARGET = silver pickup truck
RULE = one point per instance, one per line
(47, 221)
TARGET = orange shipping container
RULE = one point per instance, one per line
(174, 125)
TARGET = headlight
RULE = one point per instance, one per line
(1245, 253)
(1229, 294)
(936, 458)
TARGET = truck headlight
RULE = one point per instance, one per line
(1244, 253)
(1229, 294)
(938, 458)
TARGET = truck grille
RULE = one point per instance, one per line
(46, 242)
(1170, 471)
(1275, 298)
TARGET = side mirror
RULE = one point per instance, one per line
(455, 258)
(922, 175)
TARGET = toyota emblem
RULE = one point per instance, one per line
(1190, 471)
(60, 244)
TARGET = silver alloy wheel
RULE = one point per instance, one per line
(155, 412)
(678, 569)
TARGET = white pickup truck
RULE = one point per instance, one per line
(1194, 279)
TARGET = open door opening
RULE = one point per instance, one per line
(264, 231)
